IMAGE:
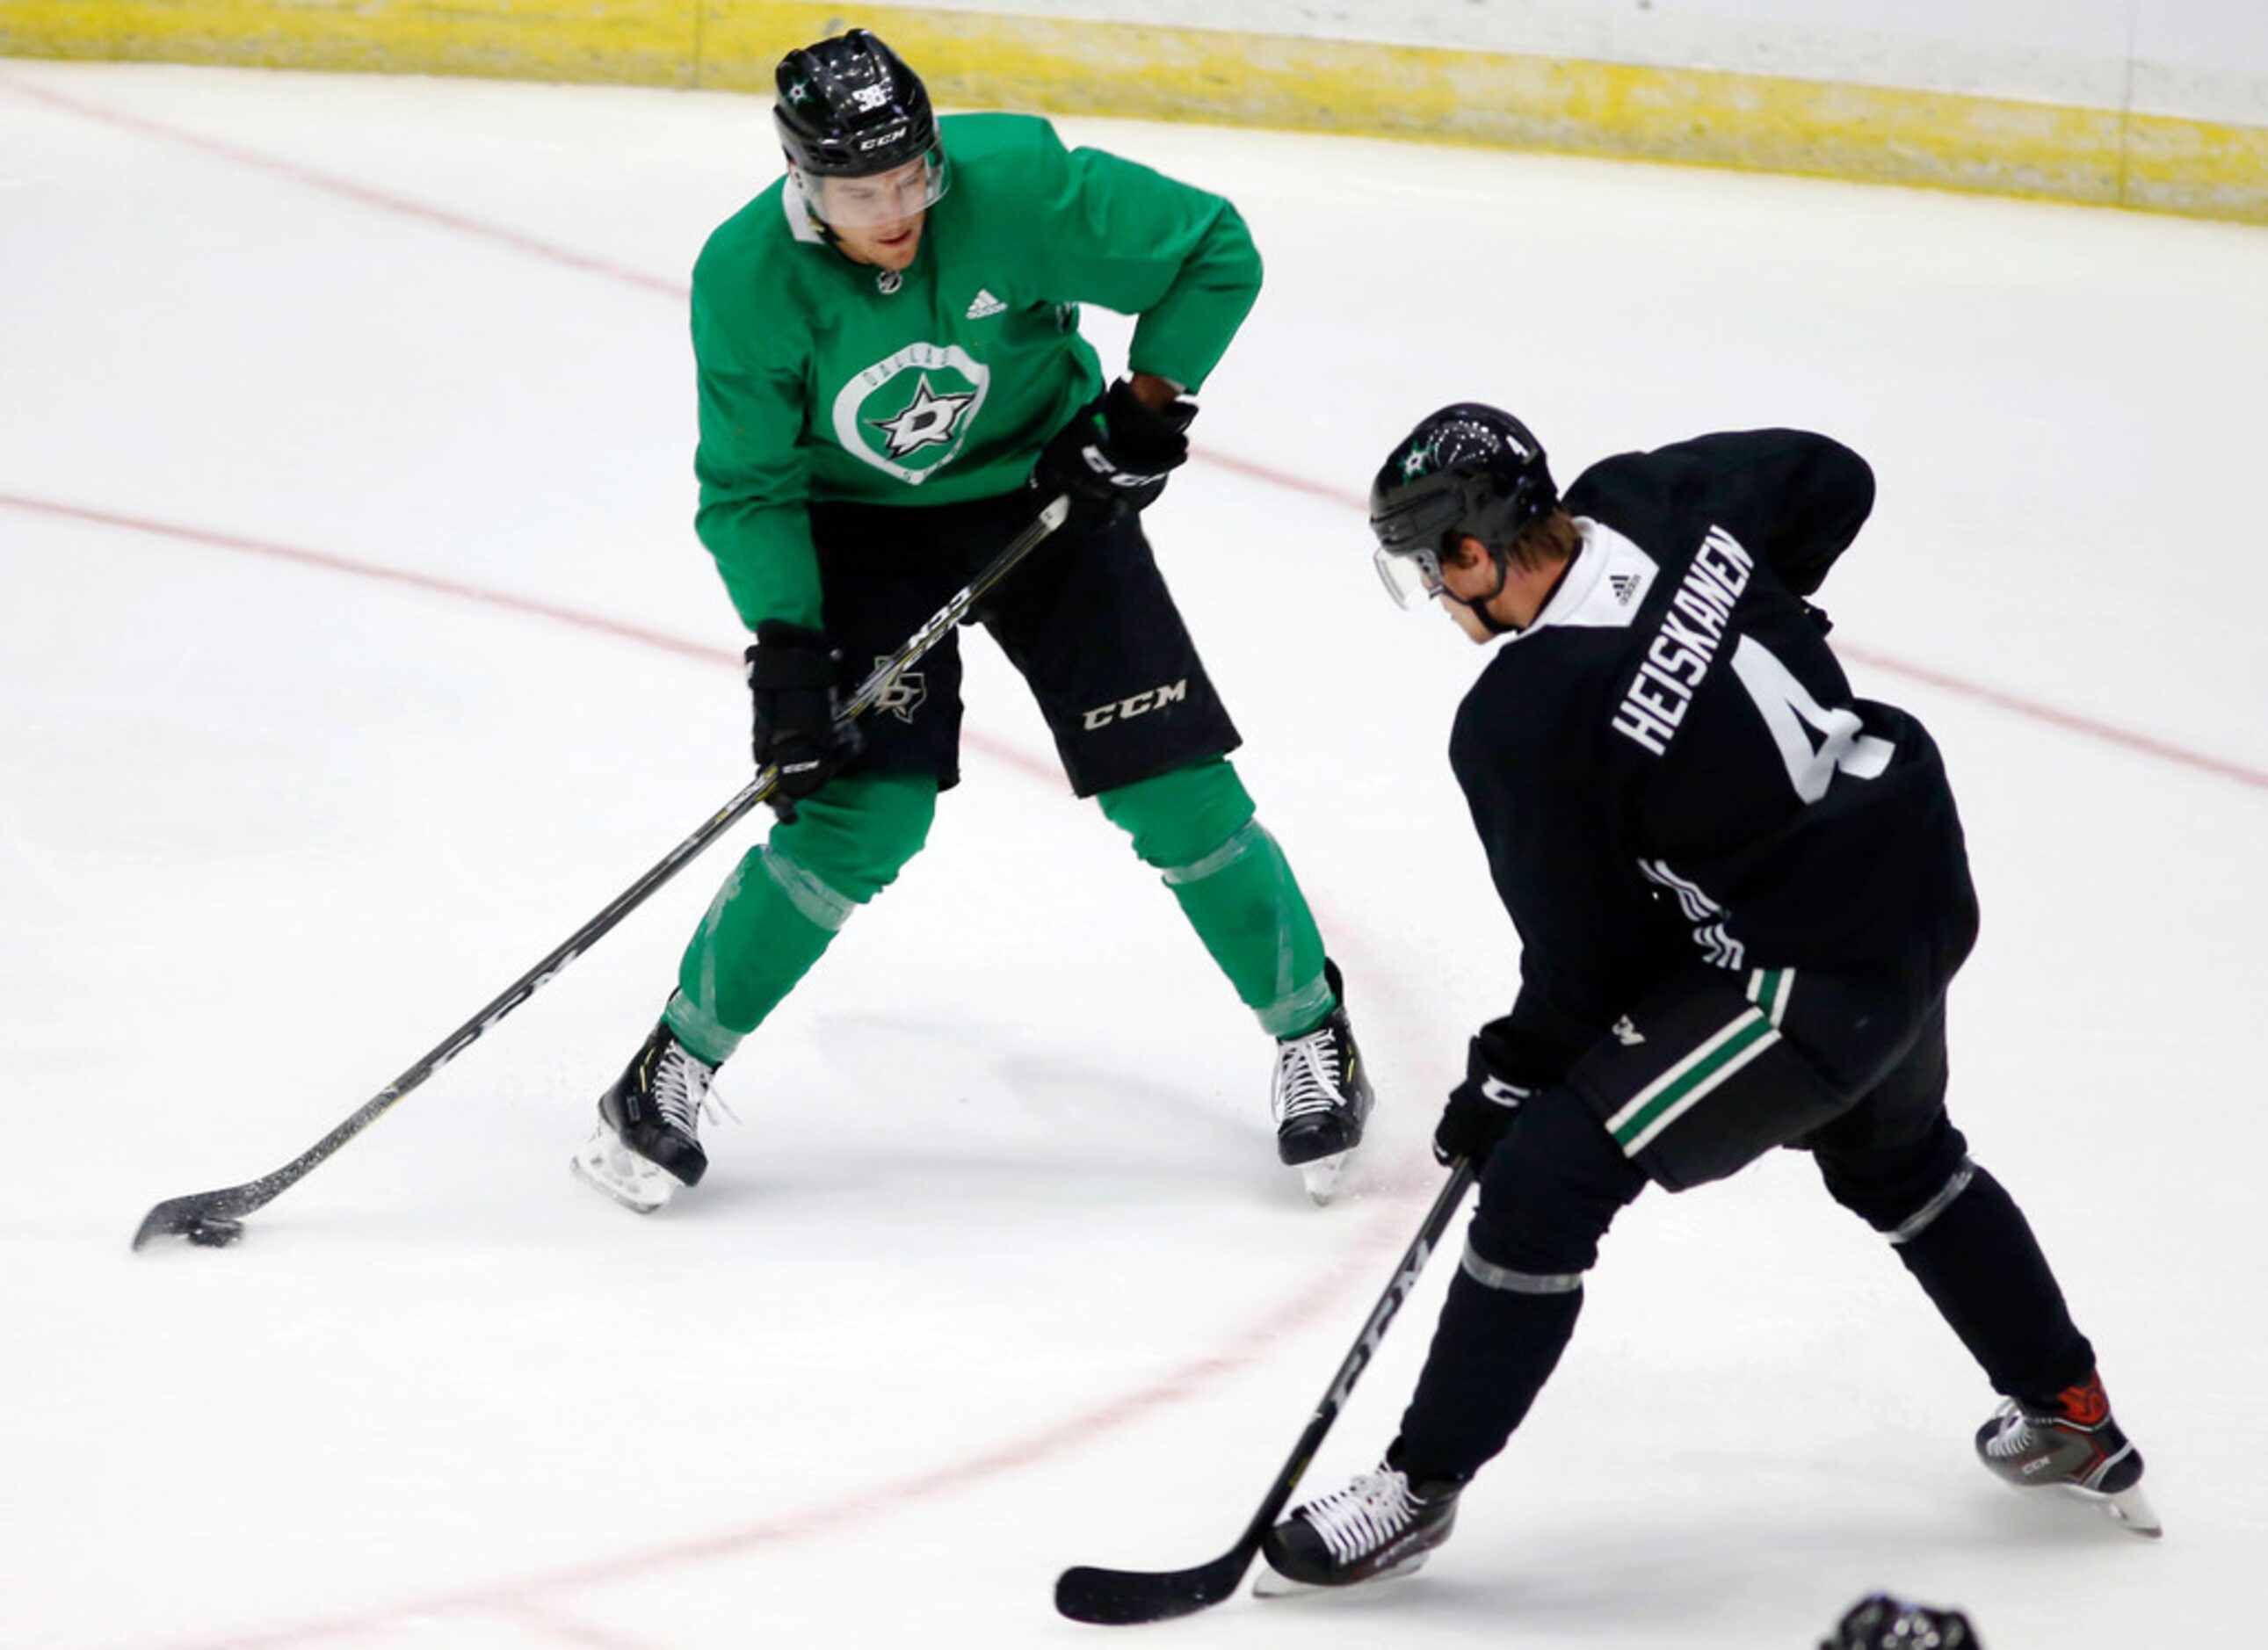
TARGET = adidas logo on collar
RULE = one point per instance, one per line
(984, 304)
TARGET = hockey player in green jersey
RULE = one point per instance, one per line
(892, 383)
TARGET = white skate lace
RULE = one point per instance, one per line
(1307, 1076)
(2015, 1437)
(680, 1091)
(1363, 1517)
(2021, 1432)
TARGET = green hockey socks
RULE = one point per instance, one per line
(1196, 826)
(784, 902)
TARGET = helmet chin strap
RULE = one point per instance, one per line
(1478, 607)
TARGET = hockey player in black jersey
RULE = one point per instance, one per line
(1740, 894)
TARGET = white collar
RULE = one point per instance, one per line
(800, 222)
(1605, 587)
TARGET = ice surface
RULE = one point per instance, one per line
(998, 1273)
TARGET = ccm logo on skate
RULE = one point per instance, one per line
(1140, 705)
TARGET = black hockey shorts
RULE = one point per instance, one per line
(1086, 619)
(1714, 1068)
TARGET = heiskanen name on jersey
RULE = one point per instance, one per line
(1686, 645)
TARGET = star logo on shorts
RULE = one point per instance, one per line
(903, 697)
(928, 420)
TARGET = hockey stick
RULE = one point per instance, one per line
(216, 1218)
(1119, 1598)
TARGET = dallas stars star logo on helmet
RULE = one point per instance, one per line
(1417, 461)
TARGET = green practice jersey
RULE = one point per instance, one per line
(824, 379)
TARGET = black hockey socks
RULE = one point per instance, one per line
(1960, 1234)
(1495, 1347)
(1980, 1265)
(1552, 1186)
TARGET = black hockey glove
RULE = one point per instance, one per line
(793, 674)
(1480, 1111)
(1115, 451)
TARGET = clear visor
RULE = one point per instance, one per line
(1410, 576)
(884, 198)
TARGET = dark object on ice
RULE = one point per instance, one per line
(211, 1232)
(1880, 1622)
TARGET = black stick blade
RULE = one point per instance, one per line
(212, 1219)
(1125, 1598)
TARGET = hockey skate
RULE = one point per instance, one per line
(1379, 1526)
(2070, 1445)
(648, 1139)
(1320, 1098)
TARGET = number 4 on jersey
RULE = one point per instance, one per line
(1790, 711)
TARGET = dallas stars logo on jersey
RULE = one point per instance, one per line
(909, 414)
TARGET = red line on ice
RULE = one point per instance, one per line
(380, 200)
(360, 194)
(519, 1600)
(516, 1599)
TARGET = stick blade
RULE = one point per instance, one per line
(1125, 1598)
(212, 1218)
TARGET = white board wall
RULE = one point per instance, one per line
(2198, 59)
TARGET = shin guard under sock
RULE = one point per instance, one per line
(1494, 1349)
(1981, 1266)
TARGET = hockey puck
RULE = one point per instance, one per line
(213, 1232)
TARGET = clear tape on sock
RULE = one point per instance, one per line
(818, 904)
(1920, 1220)
(1292, 1014)
(1492, 1276)
(1219, 859)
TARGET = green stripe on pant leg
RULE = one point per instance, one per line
(782, 904)
(1768, 990)
(1701, 1075)
(1233, 884)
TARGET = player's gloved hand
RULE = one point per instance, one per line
(1115, 451)
(1480, 1110)
(794, 672)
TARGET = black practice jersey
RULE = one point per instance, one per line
(1668, 764)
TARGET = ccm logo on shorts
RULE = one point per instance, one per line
(1140, 705)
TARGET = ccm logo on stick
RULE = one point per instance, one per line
(1140, 705)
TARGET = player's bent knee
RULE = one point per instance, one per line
(1898, 1190)
(1178, 819)
(855, 835)
(1551, 1189)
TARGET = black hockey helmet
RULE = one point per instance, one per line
(1468, 469)
(849, 107)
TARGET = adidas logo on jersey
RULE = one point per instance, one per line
(985, 304)
(1624, 584)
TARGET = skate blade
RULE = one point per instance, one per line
(607, 1166)
(2129, 1509)
(1269, 1584)
(1323, 1177)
